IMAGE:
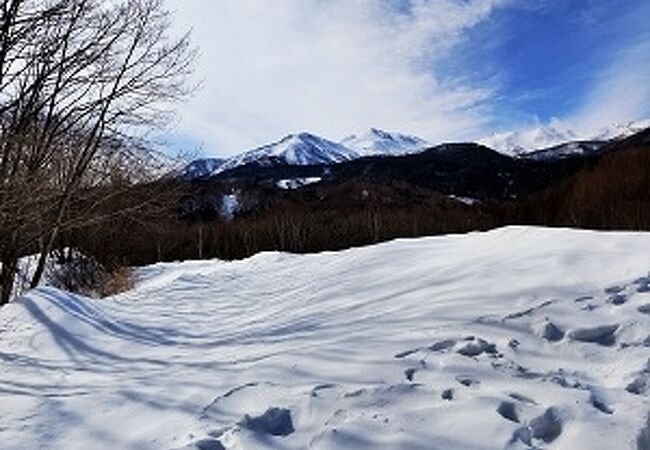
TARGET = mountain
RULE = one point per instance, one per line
(621, 130)
(307, 149)
(202, 168)
(460, 169)
(518, 143)
(376, 142)
(302, 149)
(567, 150)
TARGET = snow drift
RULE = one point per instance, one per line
(513, 339)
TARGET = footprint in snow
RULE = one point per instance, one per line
(274, 422)
(209, 444)
(508, 410)
(551, 332)
(447, 394)
(546, 428)
(641, 384)
(599, 403)
(410, 374)
(644, 309)
(642, 284)
(601, 335)
(614, 289)
(477, 347)
(618, 299)
(442, 345)
(468, 381)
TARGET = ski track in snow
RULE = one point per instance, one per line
(518, 338)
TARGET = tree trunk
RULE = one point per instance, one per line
(42, 259)
(7, 275)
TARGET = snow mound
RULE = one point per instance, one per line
(498, 340)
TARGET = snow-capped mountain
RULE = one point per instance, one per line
(304, 149)
(201, 168)
(296, 149)
(621, 130)
(377, 142)
(517, 143)
(570, 149)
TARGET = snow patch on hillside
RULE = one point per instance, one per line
(296, 183)
(518, 338)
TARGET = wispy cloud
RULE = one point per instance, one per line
(609, 81)
(621, 91)
(332, 67)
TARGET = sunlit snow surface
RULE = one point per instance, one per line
(513, 339)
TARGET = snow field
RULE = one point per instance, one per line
(518, 338)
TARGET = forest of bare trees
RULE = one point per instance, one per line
(80, 82)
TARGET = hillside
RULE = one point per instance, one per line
(613, 193)
(518, 338)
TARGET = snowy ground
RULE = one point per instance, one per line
(513, 339)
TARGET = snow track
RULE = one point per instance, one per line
(518, 338)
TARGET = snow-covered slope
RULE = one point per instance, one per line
(518, 338)
(297, 183)
(377, 142)
(546, 137)
(577, 148)
(201, 168)
(296, 149)
(307, 149)
(621, 130)
(518, 142)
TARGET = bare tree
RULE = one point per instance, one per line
(75, 76)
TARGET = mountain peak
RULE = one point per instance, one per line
(379, 142)
(544, 137)
(297, 149)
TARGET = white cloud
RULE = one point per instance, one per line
(621, 92)
(333, 67)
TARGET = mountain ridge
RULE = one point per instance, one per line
(307, 149)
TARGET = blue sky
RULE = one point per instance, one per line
(441, 69)
(549, 58)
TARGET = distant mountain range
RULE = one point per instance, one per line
(306, 149)
(302, 149)
(547, 137)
